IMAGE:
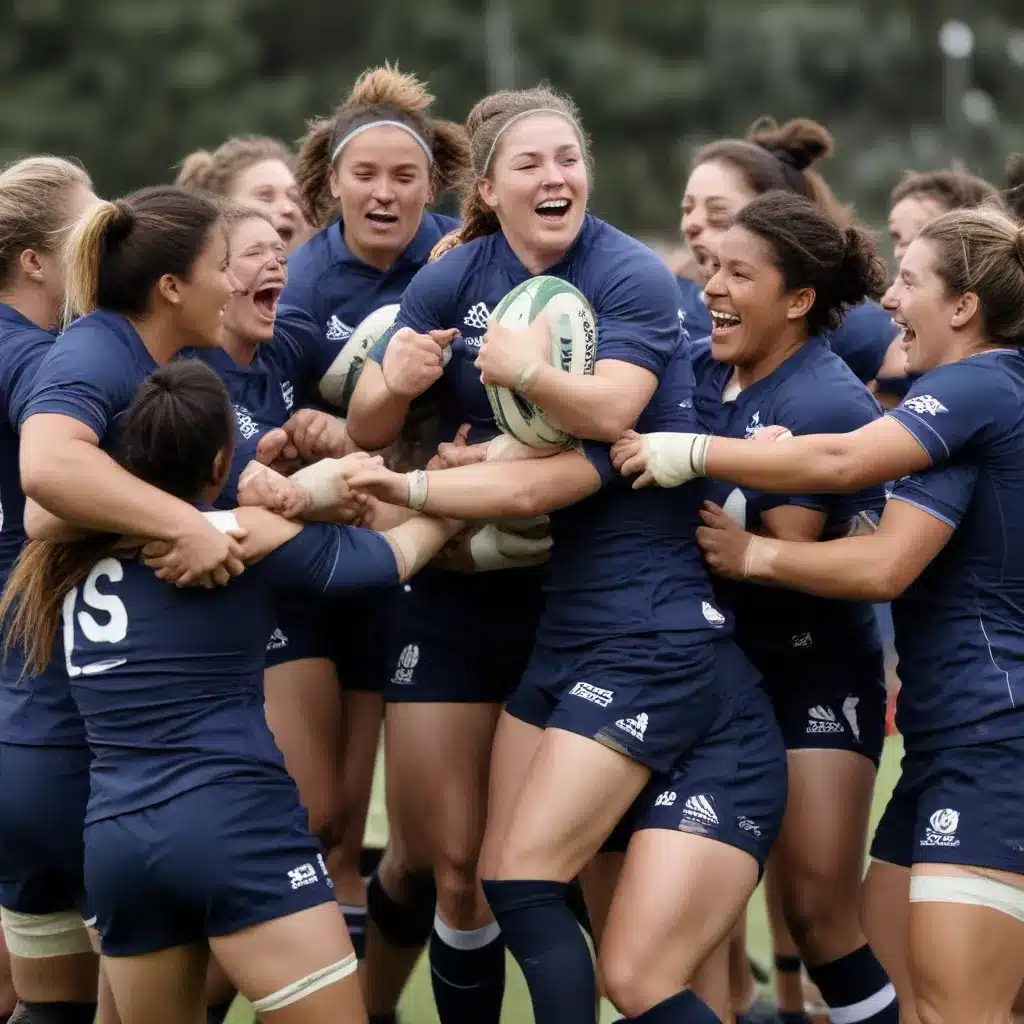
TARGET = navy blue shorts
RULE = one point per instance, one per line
(462, 639)
(209, 862)
(827, 702)
(43, 795)
(731, 786)
(961, 805)
(651, 696)
(350, 632)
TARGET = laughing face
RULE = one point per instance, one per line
(382, 182)
(715, 192)
(538, 187)
(926, 314)
(750, 306)
(258, 264)
(270, 185)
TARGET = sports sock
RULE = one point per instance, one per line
(54, 1013)
(467, 972)
(218, 1014)
(405, 925)
(547, 943)
(355, 922)
(857, 988)
(682, 1008)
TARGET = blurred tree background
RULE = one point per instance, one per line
(131, 86)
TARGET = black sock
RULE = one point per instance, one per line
(682, 1008)
(355, 922)
(467, 972)
(218, 1014)
(547, 943)
(793, 1018)
(857, 985)
(383, 1018)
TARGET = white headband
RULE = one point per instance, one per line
(512, 120)
(412, 133)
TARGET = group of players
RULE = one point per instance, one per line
(222, 598)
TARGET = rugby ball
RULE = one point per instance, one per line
(340, 380)
(573, 349)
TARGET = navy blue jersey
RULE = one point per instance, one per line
(170, 680)
(338, 290)
(626, 562)
(35, 712)
(91, 374)
(282, 377)
(861, 341)
(960, 628)
(812, 392)
(633, 294)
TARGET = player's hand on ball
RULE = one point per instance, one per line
(724, 542)
(412, 362)
(505, 353)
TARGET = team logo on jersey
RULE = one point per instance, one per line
(850, 714)
(941, 828)
(338, 330)
(712, 614)
(686, 403)
(303, 875)
(700, 809)
(925, 404)
(682, 324)
(821, 719)
(636, 727)
(288, 394)
(753, 426)
(477, 317)
(801, 640)
(247, 426)
(407, 662)
(602, 698)
(277, 641)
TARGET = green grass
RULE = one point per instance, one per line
(418, 1004)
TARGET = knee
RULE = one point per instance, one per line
(457, 878)
(624, 984)
(817, 914)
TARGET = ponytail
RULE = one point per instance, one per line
(83, 256)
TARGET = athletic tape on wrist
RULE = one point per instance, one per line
(418, 488)
(525, 376)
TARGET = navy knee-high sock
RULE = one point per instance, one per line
(467, 973)
(857, 985)
(682, 1008)
(544, 937)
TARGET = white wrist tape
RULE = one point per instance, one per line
(225, 522)
(418, 487)
(674, 459)
(759, 559)
(493, 548)
(323, 481)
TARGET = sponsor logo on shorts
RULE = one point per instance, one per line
(323, 870)
(941, 828)
(850, 714)
(338, 330)
(602, 698)
(712, 614)
(304, 874)
(801, 640)
(700, 809)
(666, 799)
(277, 641)
(636, 727)
(821, 719)
(407, 662)
(746, 825)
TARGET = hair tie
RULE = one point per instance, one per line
(518, 117)
(791, 169)
(411, 132)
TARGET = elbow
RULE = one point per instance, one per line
(890, 583)
(841, 473)
(38, 476)
(526, 502)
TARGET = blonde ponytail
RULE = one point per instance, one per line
(83, 255)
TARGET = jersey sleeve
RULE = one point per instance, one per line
(863, 338)
(329, 560)
(956, 407)
(818, 409)
(18, 375)
(86, 379)
(304, 351)
(427, 304)
(637, 313)
(943, 493)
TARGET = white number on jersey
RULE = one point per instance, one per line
(111, 629)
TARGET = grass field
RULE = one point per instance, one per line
(418, 1004)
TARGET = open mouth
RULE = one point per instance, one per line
(553, 210)
(286, 231)
(723, 322)
(906, 335)
(382, 220)
(265, 300)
